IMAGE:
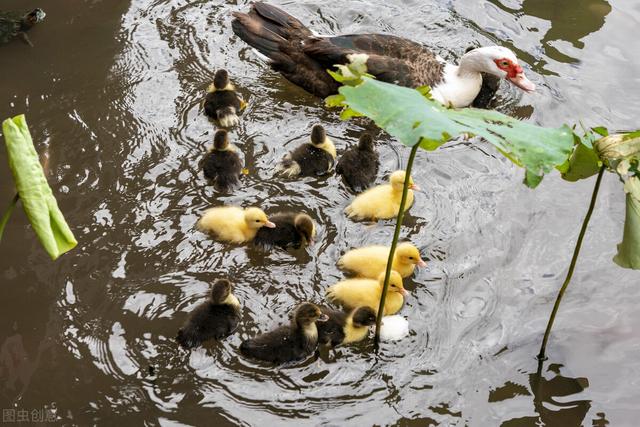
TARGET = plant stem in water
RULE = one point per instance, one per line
(396, 236)
(576, 252)
(7, 214)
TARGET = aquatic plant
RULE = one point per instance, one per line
(37, 199)
(416, 120)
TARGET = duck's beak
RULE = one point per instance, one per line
(421, 263)
(323, 318)
(269, 224)
(521, 81)
(414, 187)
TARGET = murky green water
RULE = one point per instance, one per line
(112, 90)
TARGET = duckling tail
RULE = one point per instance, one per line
(288, 167)
(227, 117)
(224, 183)
(185, 340)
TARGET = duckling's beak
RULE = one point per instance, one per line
(404, 293)
(414, 187)
(323, 318)
(269, 224)
(421, 263)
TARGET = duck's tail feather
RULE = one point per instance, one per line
(224, 183)
(227, 117)
(288, 167)
(266, 28)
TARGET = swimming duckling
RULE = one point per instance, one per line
(310, 159)
(222, 164)
(233, 224)
(382, 201)
(359, 165)
(289, 342)
(370, 261)
(295, 230)
(345, 328)
(353, 293)
(215, 318)
(222, 103)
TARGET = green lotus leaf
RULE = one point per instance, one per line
(35, 194)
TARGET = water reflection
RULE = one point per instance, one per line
(555, 399)
(569, 21)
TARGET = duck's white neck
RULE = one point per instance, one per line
(460, 85)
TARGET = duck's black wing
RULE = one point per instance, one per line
(283, 235)
(281, 345)
(223, 168)
(358, 168)
(208, 321)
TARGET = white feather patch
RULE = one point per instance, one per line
(229, 120)
(394, 328)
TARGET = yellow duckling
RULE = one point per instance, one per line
(352, 293)
(233, 224)
(370, 261)
(382, 201)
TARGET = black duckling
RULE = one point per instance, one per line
(310, 159)
(221, 164)
(215, 318)
(288, 343)
(292, 230)
(16, 24)
(345, 328)
(359, 165)
(223, 104)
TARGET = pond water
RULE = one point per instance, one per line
(112, 91)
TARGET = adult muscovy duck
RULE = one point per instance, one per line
(303, 58)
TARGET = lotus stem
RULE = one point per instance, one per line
(7, 214)
(576, 252)
(396, 236)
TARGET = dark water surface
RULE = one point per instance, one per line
(112, 91)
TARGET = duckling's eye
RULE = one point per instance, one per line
(257, 220)
(410, 257)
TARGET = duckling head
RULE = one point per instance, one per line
(256, 218)
(397, 181)
(318, 135)
(366, 142)
(363, 316)
(406, 253)
(221, 80)
(221, 140)
(307, 314)
(395, 283)
(220, 291)
(305, 226)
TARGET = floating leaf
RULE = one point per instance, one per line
(35, 194)
(409, 116)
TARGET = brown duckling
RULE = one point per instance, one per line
(221, 165)
(292, 230)
(310, 159)
(215, 318)
(290, 342)
(233, 224)
(345, 328)
(359, 165)
(222, 103)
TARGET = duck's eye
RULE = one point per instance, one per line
(504, 63)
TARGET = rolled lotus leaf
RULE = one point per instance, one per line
(629, 249)
(35, 194)
(617, 147)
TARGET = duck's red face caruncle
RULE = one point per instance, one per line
(515, 74)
